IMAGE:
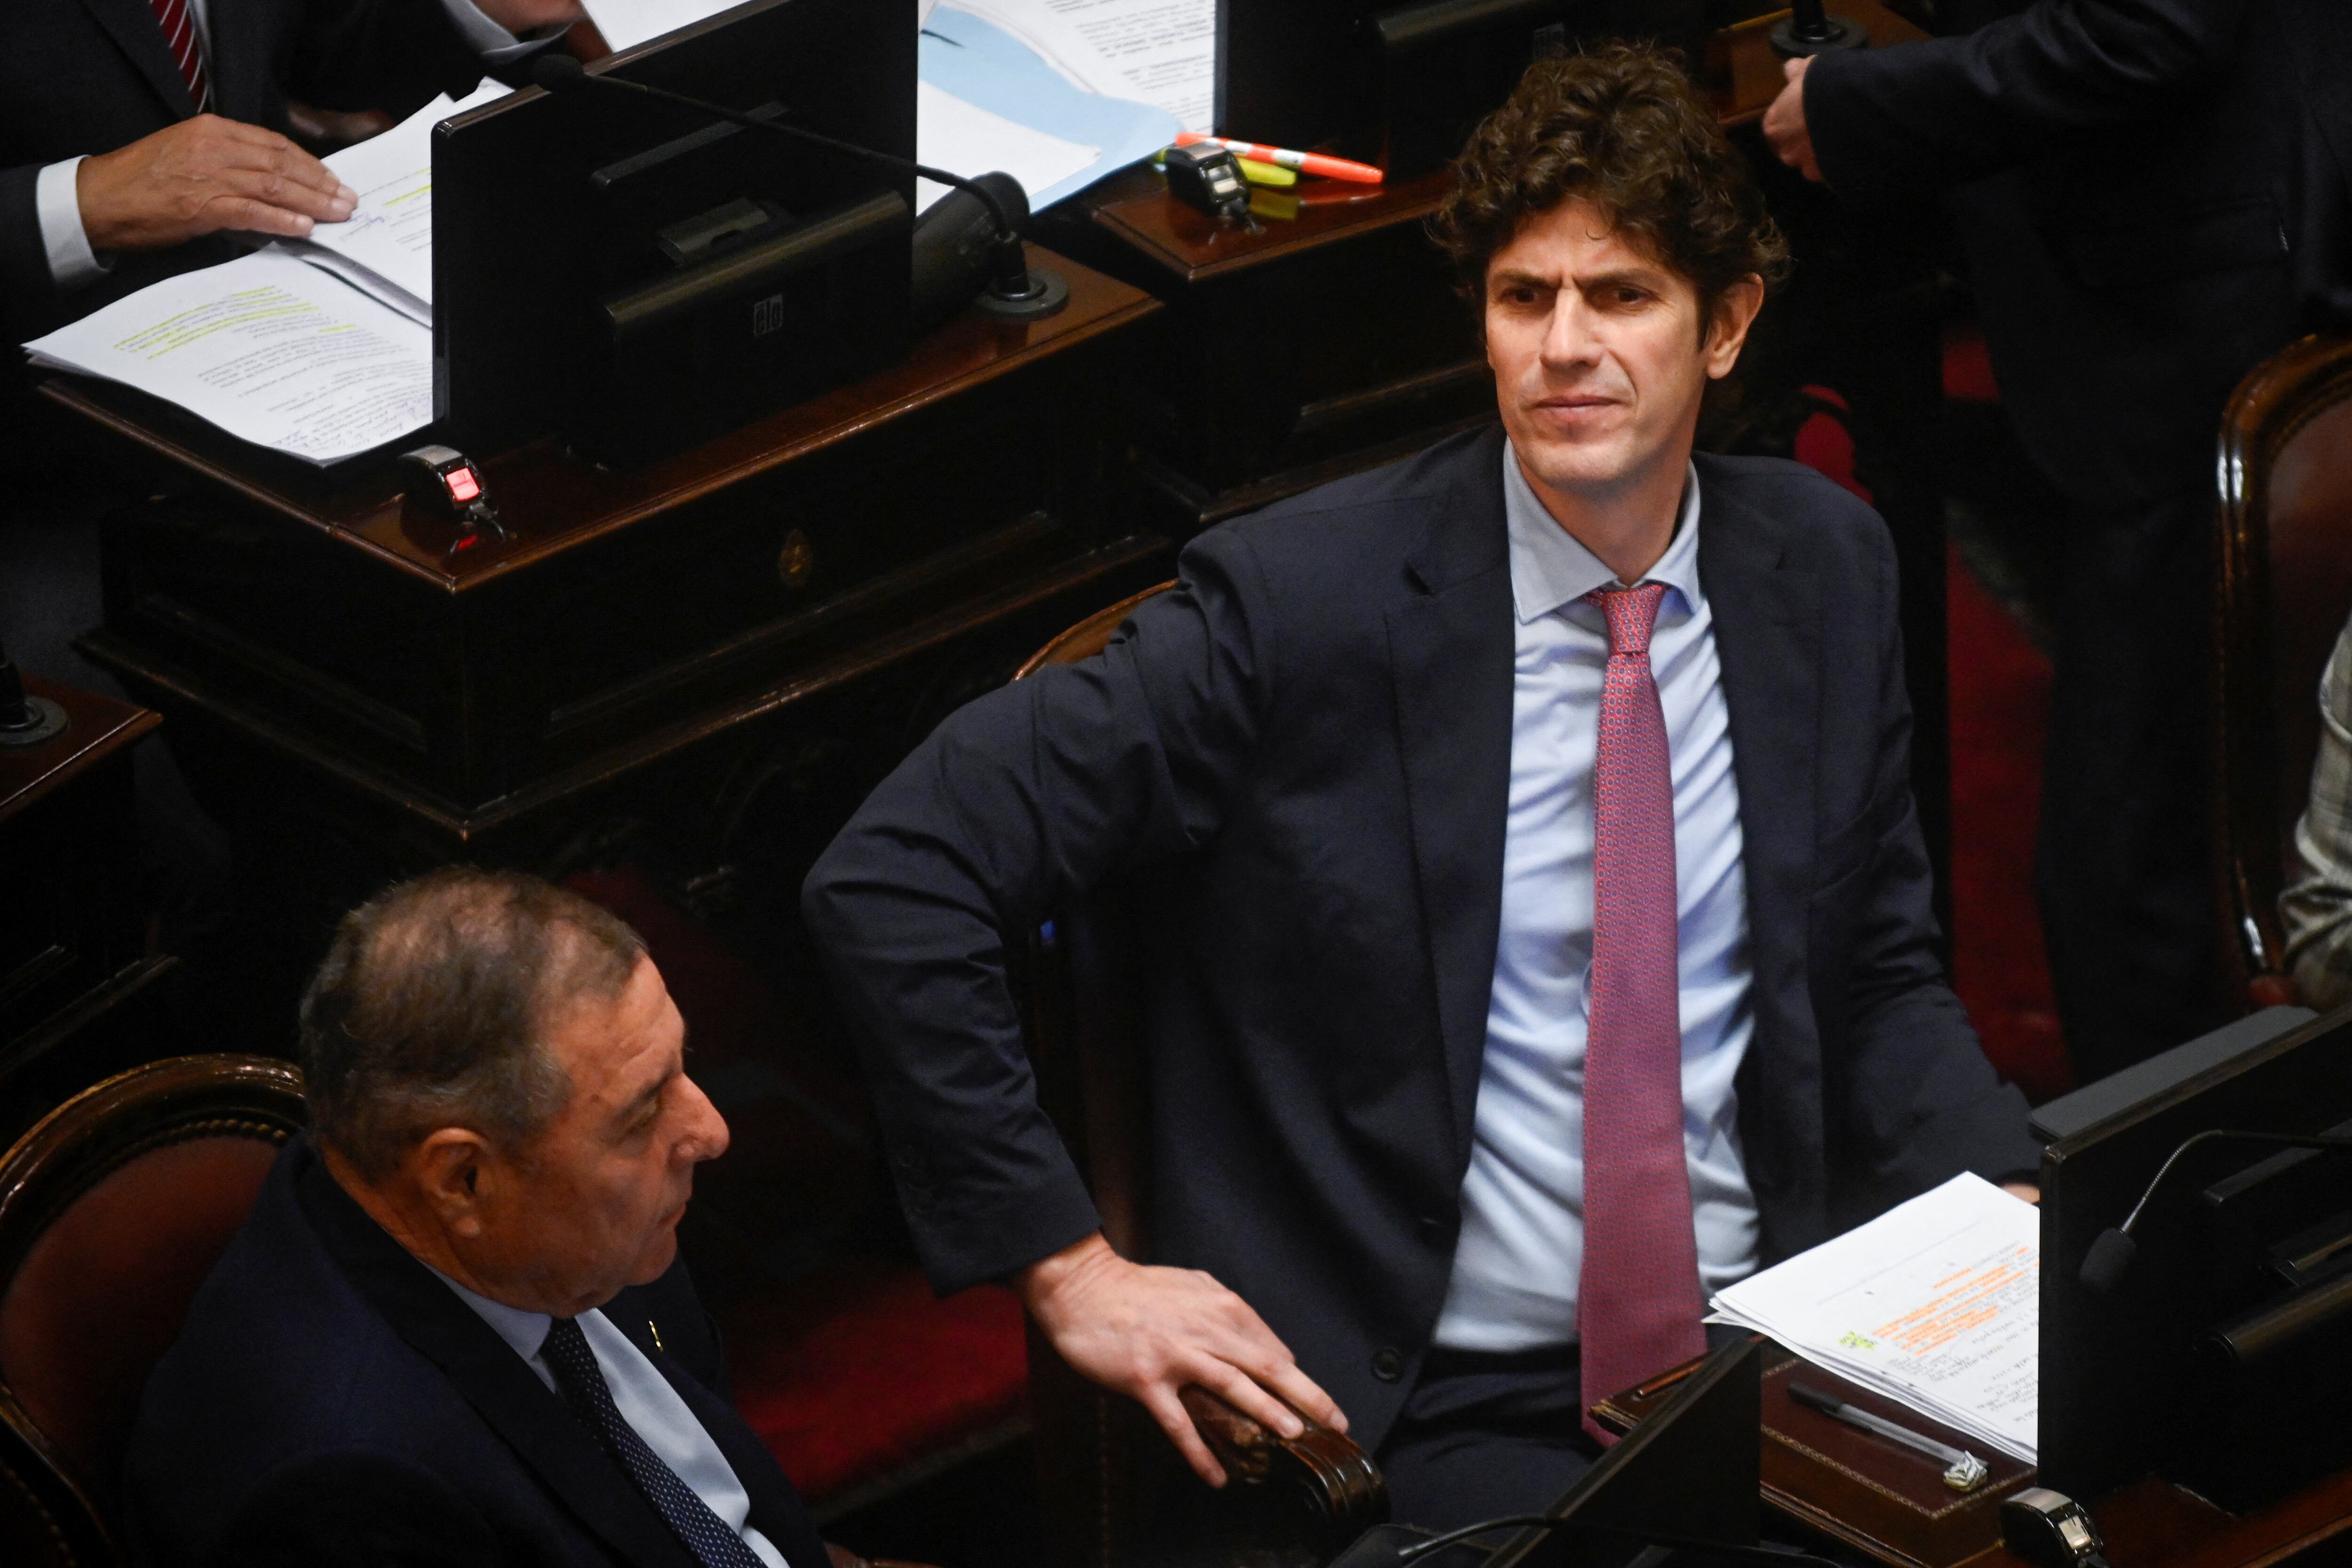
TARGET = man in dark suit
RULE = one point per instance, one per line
(2154, 197)
(453, 1329)
(1547, 931)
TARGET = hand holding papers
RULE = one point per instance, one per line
(385, 246)
(1937, 1303)
(269, 350)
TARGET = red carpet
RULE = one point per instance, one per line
(2001, 704)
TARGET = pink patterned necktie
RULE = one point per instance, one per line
(178, 20)
(1638, 1304)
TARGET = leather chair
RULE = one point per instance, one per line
(112, 1210)
(2284, 587)
(1113, 1489)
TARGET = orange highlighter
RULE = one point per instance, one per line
(1283, 158)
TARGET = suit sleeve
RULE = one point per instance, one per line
(1023, 799)
(1920, 1102)
(24, 254)
(390, 55)
(364, 1509)
(1901, 122)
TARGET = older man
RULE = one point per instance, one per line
(455, 1329)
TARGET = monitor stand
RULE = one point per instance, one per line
(1688, 1473)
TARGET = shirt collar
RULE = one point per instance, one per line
(525, 1330)
(1550, 569)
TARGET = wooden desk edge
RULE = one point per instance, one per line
(78, 748)
(70, 392)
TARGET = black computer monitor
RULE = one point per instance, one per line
(632, 277)
(2130, 1380)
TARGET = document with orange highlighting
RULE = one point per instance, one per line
(1937, 1303)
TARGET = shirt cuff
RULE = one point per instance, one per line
(486, 37)
(56, 200)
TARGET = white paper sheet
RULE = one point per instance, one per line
(1160, 52)
(385, 246)
(966, 140)
(1937, 1303)
(266, 347)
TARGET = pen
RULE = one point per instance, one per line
(1283, 158)
(1963, 1471)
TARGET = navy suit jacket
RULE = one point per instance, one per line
(329, 1401)
(2156, 194)
(1311, 739)
(90, 75)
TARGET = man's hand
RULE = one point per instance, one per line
(1146, 1332)
(201, 176)
(1784, 123)
(2030, 1191)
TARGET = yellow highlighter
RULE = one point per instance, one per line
(1258, 173)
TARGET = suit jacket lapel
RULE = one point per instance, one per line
(1768, 638)
(486, 1371)
(1450, 650)
(134, 28)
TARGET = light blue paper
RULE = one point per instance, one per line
(993, 70)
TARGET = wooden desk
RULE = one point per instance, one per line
(73, 949)
(2154, 1524)
(359, 692)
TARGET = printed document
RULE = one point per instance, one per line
(269, 348)
(1937, 1303)
(964, 139)
(385, 246)
(1160, 52)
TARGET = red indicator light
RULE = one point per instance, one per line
(463, 486)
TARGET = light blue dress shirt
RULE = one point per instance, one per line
(646, 1402)
(1514, 1284)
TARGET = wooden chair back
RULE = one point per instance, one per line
(2284, 588)
(1114, 1491)
(113, 1209)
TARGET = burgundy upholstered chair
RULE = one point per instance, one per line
(1114, 1489)
(2283, 589)
(112, 1210)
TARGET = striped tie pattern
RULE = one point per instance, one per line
(1638, 1299)
(702, 1532)
(178, 20)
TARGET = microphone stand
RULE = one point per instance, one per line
(1810, 29)
(1015, 289)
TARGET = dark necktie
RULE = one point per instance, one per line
(703, 1533)
(178, 20)
(1638, 1299)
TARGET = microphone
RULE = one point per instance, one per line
(2110, 1257)
(1014, 288)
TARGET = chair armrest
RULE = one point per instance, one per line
(1341, 1486)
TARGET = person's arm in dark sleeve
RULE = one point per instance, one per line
(1896, 124)
(360, 1510)
(1028, 795)
(24, 250)
(1920, 1102)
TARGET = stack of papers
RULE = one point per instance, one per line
(267, 347)
(1937, 1303)
(1160, 52)
(385, 246)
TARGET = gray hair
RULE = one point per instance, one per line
(431, 1006)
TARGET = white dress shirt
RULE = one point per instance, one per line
(1514, 1286)
(56, 200)
(646, 1402)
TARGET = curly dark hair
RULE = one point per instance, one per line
(1622, 127)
